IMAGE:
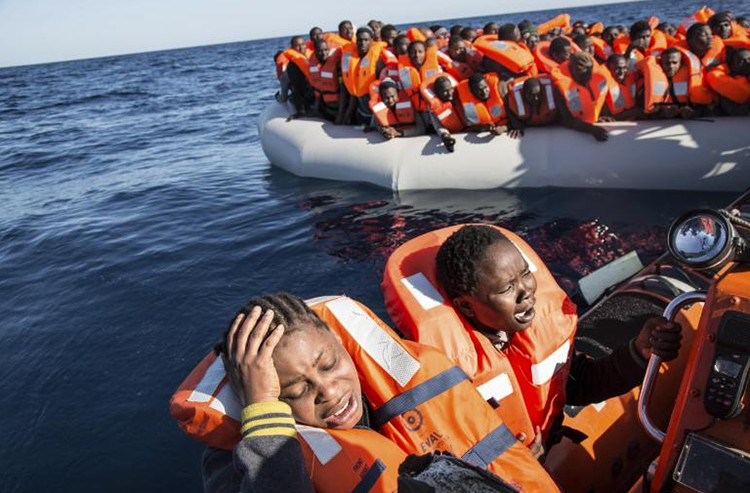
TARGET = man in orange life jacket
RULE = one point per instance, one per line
(585, 43)
(721, 25)
(731, 82)
(481, 90)
(376, 26)
(469, 34)
(444, 90)
(316, 34)
(530, 103)
(325, 79)
(560, 50)
(701, 42)
(508, 33)
(529, 35)
(491, 28)
(673, 105)
(400, 45)
(626, 99)
(302, 96)
(459, 52)
(389, 97)
(490, 283)
(359, 104)
(743, 22)
(388, 33)
(609, 35)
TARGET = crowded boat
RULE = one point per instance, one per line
(503, 78)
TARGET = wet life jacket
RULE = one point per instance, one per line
(359, 73)
(299, 59)
(461, 70)
(622, 96)
(511, 55)
(584, 102)
(735, 88)
(476, 112)
(324, 78)
(546, 112)
(529, 374)
(422, 403)
(403, 115)
(443, 111)
(544, 61)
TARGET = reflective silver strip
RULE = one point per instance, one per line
(656, 52)
(405, 78)
(393, 73)
(618, 100)
(574, 100)
(375, 341)
(500, 45)
(498, 388)
(326, 75)
(421, 288)
(550, 96)
(430, 73)
(681, 88)
(378, 107)
(659, 88)
(602, 85)
(711, 62)
(320, 299)
(471, 114)
(632, 89)
(345, 61)
(322, 444)
(544, 370)
(364, 62)
(695, 63)
(519, 100)
(403, 104)
(226, 402)
(496, 111)
(314, 69)
(209, 383)
(607, 50)
(428, 92)
(445, 114)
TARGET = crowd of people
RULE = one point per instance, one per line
(504, 78)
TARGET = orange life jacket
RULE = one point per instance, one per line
(509, 54)
(716, 54)
(359, 73)
(299, 59)
(601, 48)
(421, 403)
(281, 63)
(622, 95)
(735, 88)
(561, 21)
(414, 34)
(653, 22)
(324, 78)
(596, 28)
(402, 116)
(544, 61)
(699, 16)
(584, 103)
(537, 360)
(699, 90)
(443, 111)
(688, 83)
(657, 44)
(476, 112)
(547, 111)
(460, 70)
(336, 41)
(410, 79)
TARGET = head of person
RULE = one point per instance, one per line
(532, 92)
(376, 26)
(417, 53)
(526, 25)
(388, 33)
(579, 27)
(401, 44)
(297, 43)
(530, 39)
(316, 33)
(487, 279)
(443, 89)
(277, 55)
(699, 37)
(457, 48)
(321, 50)
(479, 86)
(456, 29)
(667, 28)
(427, 32)
(509, 32)
(469, 34)
(440, 31)
(317, 376)
(346, 29)
(388, 93)
(430, 42)
(670, 61)
(739, 62)
(721, 24)
(491, 28)
(559, 50)
(364, 40)
(581, 67)
(610, 34)
(585, 43)
(743, 22)
(618, 66)
(640, 34)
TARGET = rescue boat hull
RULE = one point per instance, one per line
(654, 155)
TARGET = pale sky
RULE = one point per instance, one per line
(38, 31)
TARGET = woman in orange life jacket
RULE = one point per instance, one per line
(325, 79)
(490, 283)
(481, 103)
(731, 81)
(623, 92)
(530, 102)
(580, 94)
(667, 86)
(393, 116)
(361, 63)
(297, 77)
(440, 95)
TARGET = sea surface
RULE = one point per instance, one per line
(139, 212)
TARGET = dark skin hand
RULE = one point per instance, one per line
(660, 338)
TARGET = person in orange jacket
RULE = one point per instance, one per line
(731, 82)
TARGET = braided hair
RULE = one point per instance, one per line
(288, 310)
(457, 261)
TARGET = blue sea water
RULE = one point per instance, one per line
(138, 212)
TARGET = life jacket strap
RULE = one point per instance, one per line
(417, 395)
(489, 448)
(370, 478)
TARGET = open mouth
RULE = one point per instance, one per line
(526, 316)
(342, 413)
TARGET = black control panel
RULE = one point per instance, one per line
(728, 378)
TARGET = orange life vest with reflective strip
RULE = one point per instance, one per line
(299, 59)
(443, 111)
(402, 116)
(735, 88)
(657, 44)
(359, 73)
(476, 112)
(544, 61)
(584, 103)
(511, 55)
(461, 70)
(324, 78)
(699, 91)
(561, 21)
(602, 49)
(699, 16)
(336, 41)
(622, 96)
(547, 111)
(410, 79)
(656, 84)
(716, 54)
(421, 403)
(529, 373)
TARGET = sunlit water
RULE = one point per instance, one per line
(138, 212)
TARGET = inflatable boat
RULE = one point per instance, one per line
(710, 155)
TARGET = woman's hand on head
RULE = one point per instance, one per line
(248, 359)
